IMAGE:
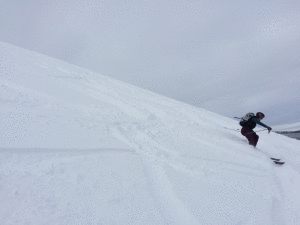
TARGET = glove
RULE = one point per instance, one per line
(269, 129)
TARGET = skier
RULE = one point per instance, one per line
(249, 124)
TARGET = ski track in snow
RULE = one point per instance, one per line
(145, 145)
(166, 199)
(170, 205)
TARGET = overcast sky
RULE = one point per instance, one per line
(200, 52)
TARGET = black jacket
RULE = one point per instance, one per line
(251, 123)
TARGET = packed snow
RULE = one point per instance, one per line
(77, 147)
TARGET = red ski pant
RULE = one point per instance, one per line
(250, 135)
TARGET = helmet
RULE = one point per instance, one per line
(260, 115)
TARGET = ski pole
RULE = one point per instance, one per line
(237, 130)
(232, 129)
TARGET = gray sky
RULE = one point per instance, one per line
(213, 54)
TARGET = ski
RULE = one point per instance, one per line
(275, 159)
(278, 163)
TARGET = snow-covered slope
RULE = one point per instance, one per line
(81, 148)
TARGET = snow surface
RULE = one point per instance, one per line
(77, 147)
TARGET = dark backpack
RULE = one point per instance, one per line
(246, 118)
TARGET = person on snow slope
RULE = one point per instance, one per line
(249, 124)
